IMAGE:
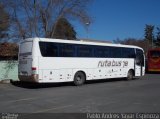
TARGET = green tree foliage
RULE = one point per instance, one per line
(4, 22)
(149, 36)
(64, 30)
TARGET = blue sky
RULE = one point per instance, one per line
(121, 19)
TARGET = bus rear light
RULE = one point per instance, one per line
(34, 68)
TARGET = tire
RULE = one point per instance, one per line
(79, 78)
(130, 75)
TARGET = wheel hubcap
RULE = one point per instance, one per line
(130, 75)
(78, 78)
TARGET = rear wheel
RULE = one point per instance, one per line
(130, 75)
(79, 78)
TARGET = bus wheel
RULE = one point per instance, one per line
(79, 78)
(130, 75)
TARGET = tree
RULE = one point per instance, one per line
(40, 17)
(132, 41)
(64, 30)
(158, 37)
(4, 22)
(149, 36)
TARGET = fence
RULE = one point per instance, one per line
(8, 61)
(9, 70)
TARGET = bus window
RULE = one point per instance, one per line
(26, 48)
(48, 49)
(84, 51)
(153, 62)
(99, 51)
(66, 50)
(155, 54)
(115, 52)
(128, 53)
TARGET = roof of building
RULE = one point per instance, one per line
(8, 49)
(97, 41)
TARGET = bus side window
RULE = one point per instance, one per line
(99, 51)
(66, 50)
(48, 49)
(107, 52)
(52, 50)
(128, 53)
(115, 52)
(84, 51)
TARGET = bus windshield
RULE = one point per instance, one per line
(155, 54)
(153, 62)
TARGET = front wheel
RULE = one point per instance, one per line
(79, 78)
(130, 75)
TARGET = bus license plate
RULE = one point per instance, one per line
(23, 62)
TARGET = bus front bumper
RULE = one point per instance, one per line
(154, 70)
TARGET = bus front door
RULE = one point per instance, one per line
(139, 63)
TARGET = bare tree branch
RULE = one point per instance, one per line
(40, 17)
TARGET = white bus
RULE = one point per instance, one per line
(44, 60)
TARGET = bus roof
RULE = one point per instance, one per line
(80, 42)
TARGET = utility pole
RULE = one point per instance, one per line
(35, 24)
(87, 24)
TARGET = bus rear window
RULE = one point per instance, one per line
(26, 48)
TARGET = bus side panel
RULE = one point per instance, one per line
(62, 75)
(64, 69)
(50, 70)
(89, 74)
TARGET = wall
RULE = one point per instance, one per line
(8, 70)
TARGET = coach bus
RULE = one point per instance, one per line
(153, 60)
(44, 60)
